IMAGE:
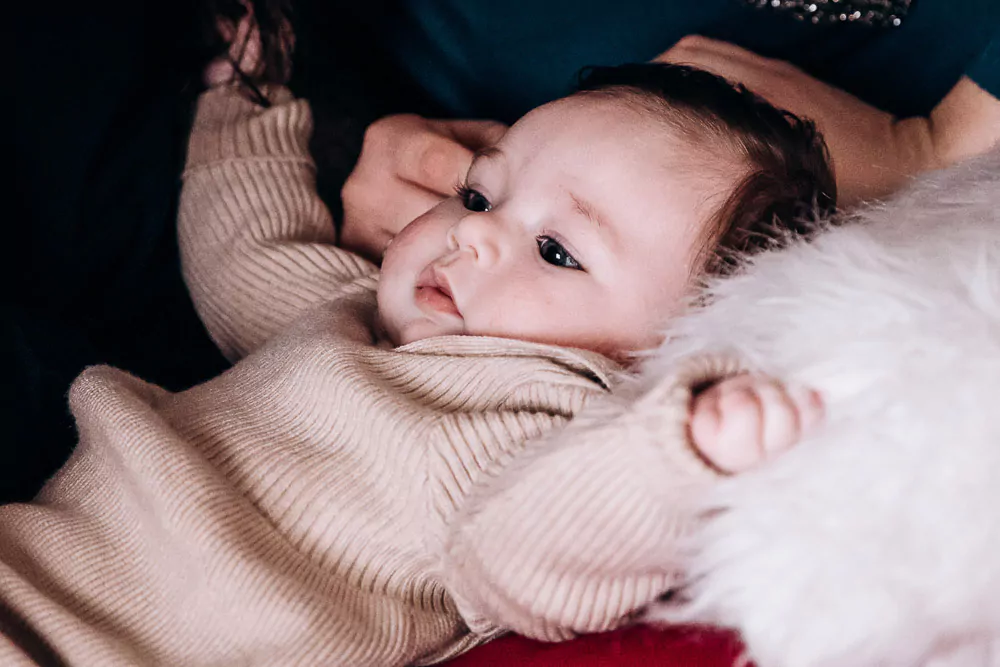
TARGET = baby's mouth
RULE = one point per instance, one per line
(434, 293)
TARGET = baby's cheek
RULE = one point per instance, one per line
(645, 308)
(388, 325)
(496, 308)
(617, 323)
(412, 331)
(534, 310)
(490, 315)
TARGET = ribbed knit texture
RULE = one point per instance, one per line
(330, 501)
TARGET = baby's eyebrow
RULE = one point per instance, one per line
(587, 209)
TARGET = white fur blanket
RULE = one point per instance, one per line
(877, 540)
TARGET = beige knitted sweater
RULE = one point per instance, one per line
(331, 501)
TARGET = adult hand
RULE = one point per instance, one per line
(858, 135)
(408, 165)
(873, 152)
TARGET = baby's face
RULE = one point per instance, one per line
(577, 229)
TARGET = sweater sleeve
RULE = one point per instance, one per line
(257, 243)
(582, 528)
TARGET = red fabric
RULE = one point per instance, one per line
(626, 647)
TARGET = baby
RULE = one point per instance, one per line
(371, 483)
(588, 224)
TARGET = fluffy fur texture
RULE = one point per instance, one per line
(877, 540)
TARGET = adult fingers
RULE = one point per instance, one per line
(413, 203)
(368, 242)
(439, 158)
(707, 51)
(765, 76)
(406, 202)
(369, 224)
(432, 161)
(473, 134)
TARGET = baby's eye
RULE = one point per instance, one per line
(553, 253)
(474, 200)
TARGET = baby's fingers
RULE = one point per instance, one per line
(245, 47)
(809, 403)
(244, 51)
(726, 422)
(747, 419)
(782, 426)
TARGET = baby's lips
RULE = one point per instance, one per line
(433, 276)
(442, 282)
(436, 300)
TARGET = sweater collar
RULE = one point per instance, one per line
(598, 367)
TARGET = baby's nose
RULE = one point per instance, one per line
(478, 234)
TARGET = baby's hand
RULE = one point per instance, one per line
(244, 50)
(247, 55)
(747, 419)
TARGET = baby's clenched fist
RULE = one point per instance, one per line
(745, 420)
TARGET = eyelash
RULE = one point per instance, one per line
(544, 241)
(465, 192)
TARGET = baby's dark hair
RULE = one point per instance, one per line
(788, 180)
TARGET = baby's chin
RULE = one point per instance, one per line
(403, 331)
